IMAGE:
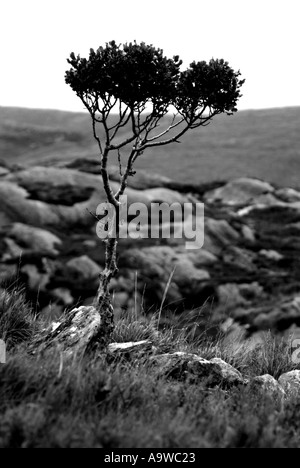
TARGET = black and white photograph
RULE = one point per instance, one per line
(150, 227)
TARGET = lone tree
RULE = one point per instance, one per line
(134, 86)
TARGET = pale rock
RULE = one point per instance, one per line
(63, 294)
(288, 195)
(36, 239)
(3, 171)
(248, 233)
(83, 268)
(80, 332)
(191, 367)
(202, 257)
(290, 382)
(267, 385)
(271, 255)
(36, 280)
(7, 272)
(229, 373)
(129, 346)
(240, 191)
(218, 234)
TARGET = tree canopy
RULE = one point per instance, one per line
(139, 77)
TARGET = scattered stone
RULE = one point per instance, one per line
(164, 195)
(90, 244)
(202, 258)
(3, 171)
(7, 272)
(248, 234)
(12, 250)
(271, 255)
(55, 325)
(34, 239)
(83, 269)
(290, 382)
(238, 258)
(79, 333)
(142, 179)
(36, 280)
(240, 191)
(63, 295)
(267, 385)
(240, 270)
(58, 185)
(120, 300)
(288, 195)
(218, 234)
(186, 366)
(230, 375)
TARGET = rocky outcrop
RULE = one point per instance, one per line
(248, 267)
(80, 333)
(266, 385)
(22, 239)
(240, 192)
(290, 382)
(194, 369)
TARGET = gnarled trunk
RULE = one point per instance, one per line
(86, 329)
(103, 300)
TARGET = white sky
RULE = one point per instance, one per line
(259, 37)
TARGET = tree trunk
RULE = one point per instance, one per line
(103, 300)
(86, 329)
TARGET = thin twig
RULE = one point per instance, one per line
(165, 295)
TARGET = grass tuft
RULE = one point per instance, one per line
(17, 319)
(50, 400)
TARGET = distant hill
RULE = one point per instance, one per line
(254, 143)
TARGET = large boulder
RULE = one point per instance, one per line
(58, 186)
(157, 265)
(17, 206)
(54, 197)
(142, 179)
(266, 385)
(230, 375)
(240, 191)
(82, 271)
(202, 258)
(3, 171)
(272, 314)
(288, 195)
(233, 295)
(7, 272)
(31, 239)
(81, 331)
(165, 195)
(36, 280)
(218, 234)
(193, 368)
(290, 382)
(237, 257)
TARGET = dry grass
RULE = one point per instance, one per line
(50, 401)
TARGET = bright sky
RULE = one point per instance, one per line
(259, 37)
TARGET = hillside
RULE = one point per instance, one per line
(204, 351)
(254, 143)
(247, 269)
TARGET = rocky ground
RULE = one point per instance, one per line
(246, 274)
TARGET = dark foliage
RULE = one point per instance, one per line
(137, 74)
